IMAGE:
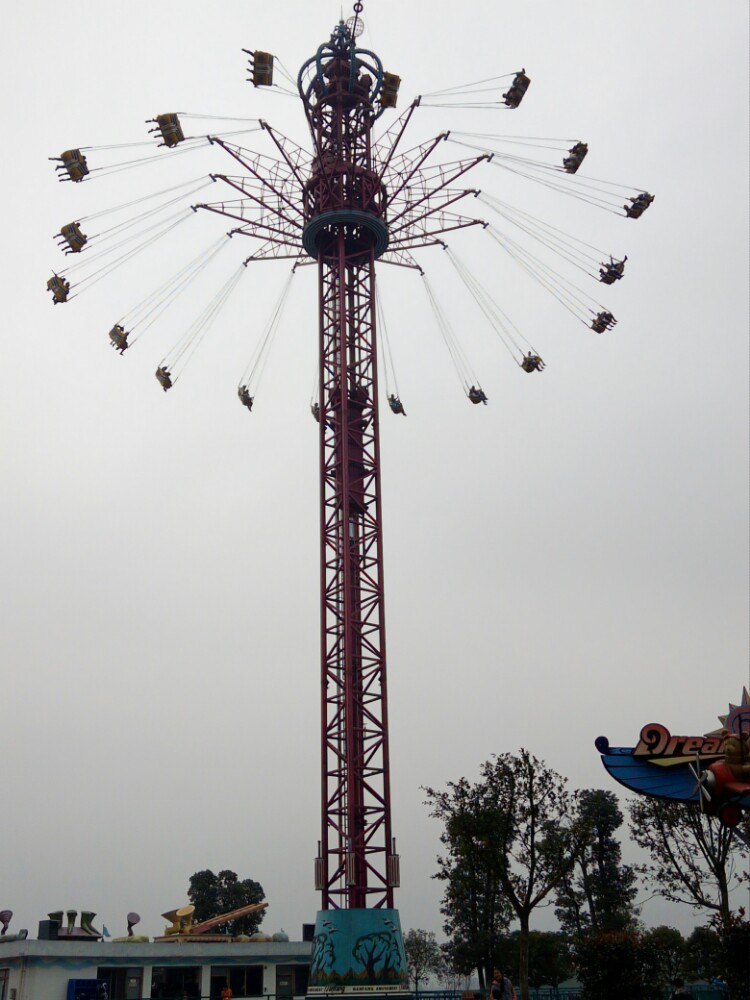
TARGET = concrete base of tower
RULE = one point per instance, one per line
(358, 952)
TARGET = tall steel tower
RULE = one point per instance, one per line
(345, 231)
(361, 203)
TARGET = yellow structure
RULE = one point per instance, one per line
(182, 927)
(181, 920)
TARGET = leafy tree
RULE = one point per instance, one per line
(617, 964)
(704, 958)
(475, 911)
(668, 954)
(450, 978)
(694, 859)
(539, 840)
(212, 895)
(204, 895)
(599, 893)
(550, 959)
(735, 941)
(515, 826)
(721, 950)
(424, 957)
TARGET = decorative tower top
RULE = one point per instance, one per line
(341, 73)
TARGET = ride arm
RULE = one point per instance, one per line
(441, 206)
(252, 170)
(445, 179)
(260, 201)
(400, 257)
(424, 151)
(404, 123)
(280, 145)
(256, 225)
(428, 237)
(240, 231)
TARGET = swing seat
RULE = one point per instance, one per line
(72, 235)
(577, 155)
(119, 338)
(517, 89)
(532, 363)
(59, 288)
(389, 93)
(74, 162)
(244, 396)
(262, 71)
(170, 128)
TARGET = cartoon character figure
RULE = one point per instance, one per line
(737, 755)
(727, 781)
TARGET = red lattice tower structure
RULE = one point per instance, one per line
(355, 210)
(345, 230)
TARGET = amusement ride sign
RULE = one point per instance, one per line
(713, 770)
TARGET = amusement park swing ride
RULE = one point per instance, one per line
(357, 199)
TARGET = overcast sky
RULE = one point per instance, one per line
(567, 561)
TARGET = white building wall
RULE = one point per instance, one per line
(205, 982)
(48, 980)
(15, 978)
(269, 978)
(146, 989)
(40, 970)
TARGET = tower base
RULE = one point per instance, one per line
(358, 951)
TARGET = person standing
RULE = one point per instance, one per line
(501, 988)
(226, 993)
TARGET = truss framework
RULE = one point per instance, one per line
(356, 837)
(364, 203)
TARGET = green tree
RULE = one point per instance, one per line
(735, 944)
(599, 893)
(703, 954)
(516, 827)
(212, 895)
(721, 950)
(550, 958)
(617, 964)
(667, 947)
(693, 858)
(424, 957)
(475, 911)
(452, 979)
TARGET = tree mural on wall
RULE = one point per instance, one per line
(323, 956)
(372, 949)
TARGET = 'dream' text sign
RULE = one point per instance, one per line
(657, 741)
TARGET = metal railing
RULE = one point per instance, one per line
(696, 992)
(332, 995)
(554, 993)
(574, 992)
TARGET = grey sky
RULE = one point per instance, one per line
(568, 561)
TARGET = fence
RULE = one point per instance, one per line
(696, 992)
